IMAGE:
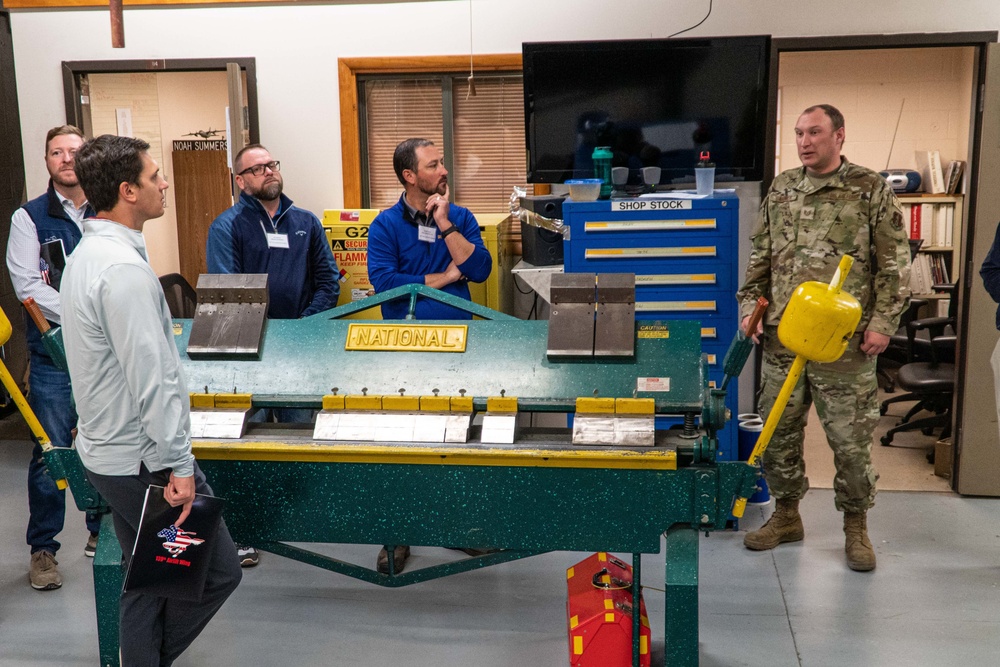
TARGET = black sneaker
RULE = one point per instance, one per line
(249, 556)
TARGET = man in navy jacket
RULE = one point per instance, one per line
(424, 239)
(265, 233)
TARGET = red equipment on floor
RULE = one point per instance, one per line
(599, 612)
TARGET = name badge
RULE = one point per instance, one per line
(808, 213)
(277, 240)
(427, 233)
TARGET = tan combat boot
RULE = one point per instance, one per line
(785, 525)
(860, 554)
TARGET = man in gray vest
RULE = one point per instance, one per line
(43, 233)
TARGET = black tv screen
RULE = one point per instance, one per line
(656, 102)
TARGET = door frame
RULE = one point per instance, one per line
(72, 69)
(981, 41)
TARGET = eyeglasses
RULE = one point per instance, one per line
(258, 169)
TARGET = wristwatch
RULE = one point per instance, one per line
(451, 229)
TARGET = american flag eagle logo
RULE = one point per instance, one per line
(177, 541)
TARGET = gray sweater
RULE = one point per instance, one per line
(130, 391)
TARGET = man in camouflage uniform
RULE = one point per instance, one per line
(810, 218)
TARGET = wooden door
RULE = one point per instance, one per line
(202, 191)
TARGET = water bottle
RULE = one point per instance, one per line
(602, 168)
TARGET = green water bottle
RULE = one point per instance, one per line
(602, 168)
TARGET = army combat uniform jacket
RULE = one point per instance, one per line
(802, 232)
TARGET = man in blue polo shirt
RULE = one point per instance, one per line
(425, 239)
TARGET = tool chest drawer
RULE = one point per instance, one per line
(684, 254)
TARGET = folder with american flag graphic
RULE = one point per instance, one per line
(169, 560)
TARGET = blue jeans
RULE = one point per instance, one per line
(49, 398)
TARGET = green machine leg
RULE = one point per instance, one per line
(681, 631)
(107, 591)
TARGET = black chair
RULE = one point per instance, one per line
(181, 297)
(930, 382)
(898, 352)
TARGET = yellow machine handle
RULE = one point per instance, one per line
(774, 416)
(18, 397)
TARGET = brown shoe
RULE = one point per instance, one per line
(44, 573)
(785, 525)
(400, 553)
(860, 553)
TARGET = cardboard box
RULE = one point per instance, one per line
(943, 457)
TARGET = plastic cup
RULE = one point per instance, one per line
(705, 180)
(651, 175)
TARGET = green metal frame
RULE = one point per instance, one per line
(620, 501)
(414, 292)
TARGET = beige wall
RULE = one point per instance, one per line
(932, 86)
(165, 106)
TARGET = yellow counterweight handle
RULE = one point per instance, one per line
(772, 423)
(836, 283)
(15, 393)
(28, 414)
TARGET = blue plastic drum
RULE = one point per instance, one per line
(750, 426)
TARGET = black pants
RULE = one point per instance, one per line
(155, 630)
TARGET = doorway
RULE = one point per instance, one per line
(900, 96)
(179, 107)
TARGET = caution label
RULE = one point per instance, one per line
(653, 384)
(653, 331)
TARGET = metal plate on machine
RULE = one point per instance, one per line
(226, 424)
(631, 431)
(571, 319)
(230, 316)
(391, 427)
(407, 337)
(614, 330)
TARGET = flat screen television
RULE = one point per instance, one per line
(654, 102)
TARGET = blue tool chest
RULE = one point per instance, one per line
(684, 254)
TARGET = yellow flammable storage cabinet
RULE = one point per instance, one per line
(347, 231)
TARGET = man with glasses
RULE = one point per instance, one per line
(265, 233)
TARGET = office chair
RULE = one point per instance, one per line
(898, 352)
(931, 382)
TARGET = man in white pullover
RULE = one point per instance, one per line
(130, 390)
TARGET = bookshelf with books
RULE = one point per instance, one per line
(935, 220)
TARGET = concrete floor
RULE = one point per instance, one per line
(932, 601)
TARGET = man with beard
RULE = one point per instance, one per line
(265, 233)
(42, 235)
(425, 239)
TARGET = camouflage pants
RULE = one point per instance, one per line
(845, 393)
